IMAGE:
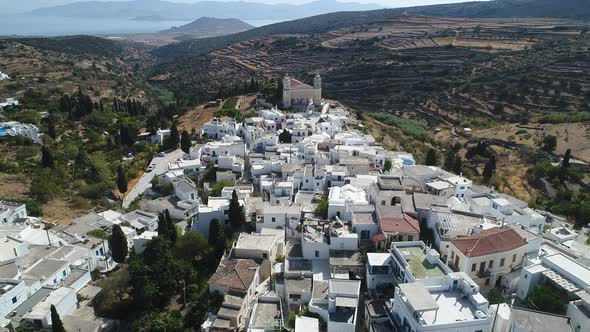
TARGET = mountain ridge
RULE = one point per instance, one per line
(576, 9)
(210, 26)
(188, 11)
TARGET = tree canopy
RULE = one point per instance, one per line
(118, 243)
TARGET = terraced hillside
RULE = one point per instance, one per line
(53, 66)
(457, 69)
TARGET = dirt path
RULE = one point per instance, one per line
(196, 118)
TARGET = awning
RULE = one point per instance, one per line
(418, 297)
(560, 281)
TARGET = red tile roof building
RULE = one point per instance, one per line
(403, 225)
(488, 242)
(235, 274)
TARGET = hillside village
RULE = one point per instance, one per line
(331, 230)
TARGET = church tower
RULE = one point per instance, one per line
(317, 86)
(286, 91)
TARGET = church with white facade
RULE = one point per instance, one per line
(301, 95)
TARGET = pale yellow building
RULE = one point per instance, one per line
(491, 257)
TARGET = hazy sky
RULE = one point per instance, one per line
(18, 6)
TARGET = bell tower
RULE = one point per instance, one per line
(317, 86)
(286, 91)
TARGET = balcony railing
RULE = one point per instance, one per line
(484, 274)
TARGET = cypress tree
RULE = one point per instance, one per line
(236, 214)
(121, 180)
(490, 168)
(185, 142)
(163, 228)
(458, 165)
(431, 158)
(566, 159)
(217, 238)
(119, 244)
(46, 157)
(172, 233)
(56, 324)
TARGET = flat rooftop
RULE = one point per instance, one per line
(267, 314)
(418, 264)
(343, 315)
(453, 307)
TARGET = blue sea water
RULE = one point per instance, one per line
(32, 25)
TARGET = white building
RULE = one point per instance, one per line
(298, 94)
(14, 292)
(14, 128)
(276, 217)
(140, 221)
(340, 308)
(63, 298)
(258, 246)
(141, 240)
(160, 136)
(189, 167)
(557, 268)
(216, 129)
(379, 270)
(186, 190)
(212, 150)
(307, 324)
(452, 303)
(341, 200)
(10, 212)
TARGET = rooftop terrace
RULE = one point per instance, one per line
(267, 314)
(419, 265)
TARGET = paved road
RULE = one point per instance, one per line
(144, 183)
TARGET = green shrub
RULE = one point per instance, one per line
(565, 117)
(414, 128)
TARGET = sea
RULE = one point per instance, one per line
(33, 25)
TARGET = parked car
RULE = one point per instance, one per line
(161, 154)
(150, 168)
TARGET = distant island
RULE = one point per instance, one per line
(210, 27)
(153, 18)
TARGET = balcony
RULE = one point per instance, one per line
(484, 274)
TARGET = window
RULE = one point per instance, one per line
(513, 258)
(382, 202)
(502, 262)
(473, 267)
(294, 296)
(410, 238)
(274, 219)
(63, 273)
(526, 276)
(317, 253)
(14, 299)
(491, 264)
(487, 281)
(265, 255)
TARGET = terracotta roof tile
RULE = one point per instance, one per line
(406, 224)
(234, 273)
(296, 84)
(489, 241)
